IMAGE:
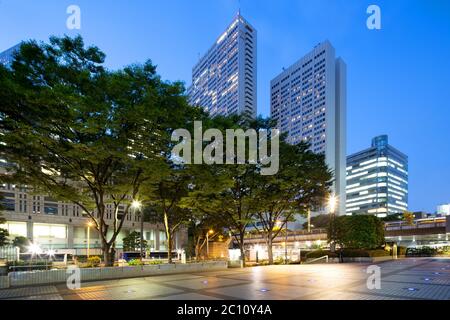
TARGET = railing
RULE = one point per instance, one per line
(317, 259)
(9, 253)
(289, 233)
(404, 226)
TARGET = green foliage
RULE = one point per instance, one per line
(4, 234)
(28, 265)
(153, 262)
(93, 262)
(356, 253)
(427, 251)
(408, 217)
(132, 242)
(357, 232)
(97, 134)
(135, 262)
(21, 242)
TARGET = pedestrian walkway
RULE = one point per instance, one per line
(424, 278)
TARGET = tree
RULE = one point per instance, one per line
(408, 217)
(22, 243)
(84, 134)
(201, 225)
(4, 234)
(132, 242)
(301, 184)
(358, 232)
(226, 192)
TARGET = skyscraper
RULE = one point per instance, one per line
(377, 180)
(224, 80)
(6, 57)
(308, 100)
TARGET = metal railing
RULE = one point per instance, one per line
(317, 259)
(289, 233)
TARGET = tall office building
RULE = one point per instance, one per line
(377, 180)
(308, 100)
(224, 80)
(443, 209)
(6, 57)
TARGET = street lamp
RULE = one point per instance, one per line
(89, 225)
(136, 205)
(207, 241)
(332, 201)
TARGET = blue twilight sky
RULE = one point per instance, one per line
(398, 77)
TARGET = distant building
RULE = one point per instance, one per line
(377, 180)
(308, 101)
(443, 209)
(7, 56)
(224, 80)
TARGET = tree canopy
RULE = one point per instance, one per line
(85, 134)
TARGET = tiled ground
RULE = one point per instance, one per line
(401, 279)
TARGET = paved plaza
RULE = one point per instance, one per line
(425, 278)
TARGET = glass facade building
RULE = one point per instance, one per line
(308, 101)
(6, 57)
(377, 180)
(224, 80)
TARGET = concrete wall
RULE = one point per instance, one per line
(17, 279)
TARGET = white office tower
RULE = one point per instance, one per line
(224, 80)
(309, 100)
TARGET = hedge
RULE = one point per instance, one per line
(348, 253)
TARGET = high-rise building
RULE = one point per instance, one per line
(443, 209)
(63, 225)
(308, 100)
(224, 80)
(377, 180)
(7, 56)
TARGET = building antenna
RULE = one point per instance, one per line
(239, 9)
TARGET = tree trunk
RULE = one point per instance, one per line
(169, 246)
(109, 255)
(269, 247)
(241, 247)
(141, 245)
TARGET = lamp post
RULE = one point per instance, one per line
(207, 241)
(136, 205)
(332, 206)
(89, 225)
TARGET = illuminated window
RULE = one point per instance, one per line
(56, 231)
(15, 229)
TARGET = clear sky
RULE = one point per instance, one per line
(398, 77)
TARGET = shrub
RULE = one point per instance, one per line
(93, 261)
(359, 253)
(135, 262)
(29, 265)
(421, 252)
(155, 262)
